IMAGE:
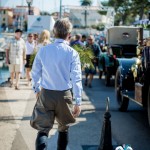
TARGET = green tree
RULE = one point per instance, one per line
(140, 7)
(126, 10)
(86, 3)
(122, 9)
(44, 13)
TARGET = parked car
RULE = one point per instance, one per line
(132, 81)
(121, 43)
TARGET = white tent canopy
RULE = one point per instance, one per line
(36, 24)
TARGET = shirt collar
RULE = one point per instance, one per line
(61, 41)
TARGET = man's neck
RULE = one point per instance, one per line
(17, 38)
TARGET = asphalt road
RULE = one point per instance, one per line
(129, 127)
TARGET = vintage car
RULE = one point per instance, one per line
(121, 43)
(132, 81)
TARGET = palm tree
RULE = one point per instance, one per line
(86, 3)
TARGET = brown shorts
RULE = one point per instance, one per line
(15, 68)
(53, 105)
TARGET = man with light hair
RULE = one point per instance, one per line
(56, 72)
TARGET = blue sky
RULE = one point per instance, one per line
(46, 5)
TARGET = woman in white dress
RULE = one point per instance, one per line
(31, 45)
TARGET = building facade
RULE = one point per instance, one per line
(84, 16)
(20, 15)
(6, 18)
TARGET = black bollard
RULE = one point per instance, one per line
(106, 139)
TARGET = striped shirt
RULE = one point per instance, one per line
(16, 50)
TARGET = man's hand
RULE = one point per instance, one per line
(37, 95)
(76, 111)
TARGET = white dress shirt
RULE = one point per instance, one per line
(57, 67)
(30, 47)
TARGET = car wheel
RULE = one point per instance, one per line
(107, 78)
(123, 102)
(100, 74)
(148, 106)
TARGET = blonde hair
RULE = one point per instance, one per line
(62, 28)
(148, 41)
(44, 37)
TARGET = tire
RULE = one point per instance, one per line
(100, 74)
(123, 102)
(148, 106)
(107, 78)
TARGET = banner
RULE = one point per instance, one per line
(36, 24)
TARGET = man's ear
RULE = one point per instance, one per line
(69, 35)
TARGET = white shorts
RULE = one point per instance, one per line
(15, 68)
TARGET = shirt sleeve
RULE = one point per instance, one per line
(7, 49)
(76, 78)
(24, 50)
(36, 73)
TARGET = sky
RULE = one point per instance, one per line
(44, 5)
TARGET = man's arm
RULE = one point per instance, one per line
(7, 56)
(24, 53)
(36, 73)
(76, 78)
(7, 49)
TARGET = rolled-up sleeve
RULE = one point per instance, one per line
(36, 73)
(76, 78)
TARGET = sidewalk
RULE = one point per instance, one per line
(16, 108)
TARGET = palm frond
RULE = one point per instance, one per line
(86, 55)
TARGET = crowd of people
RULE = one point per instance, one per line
(19, 52)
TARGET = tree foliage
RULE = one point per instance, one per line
(85, 53)
(127, 10)
(86, 2)
(44, 13)
(140, 7)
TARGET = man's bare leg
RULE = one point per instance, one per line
(11, 79)
(90, 80)
(17, 80)
(28, 75)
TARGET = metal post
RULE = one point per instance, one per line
(85, 18)
(29, 8)
(60, 9)
(106, 139)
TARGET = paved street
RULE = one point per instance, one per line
(16, 108)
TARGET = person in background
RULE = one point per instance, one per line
(77, 40)
(35, 37)
(88, 71)
(83, 40)
(58, 68)
(15, 57)
(44, 39)
(31, 45)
